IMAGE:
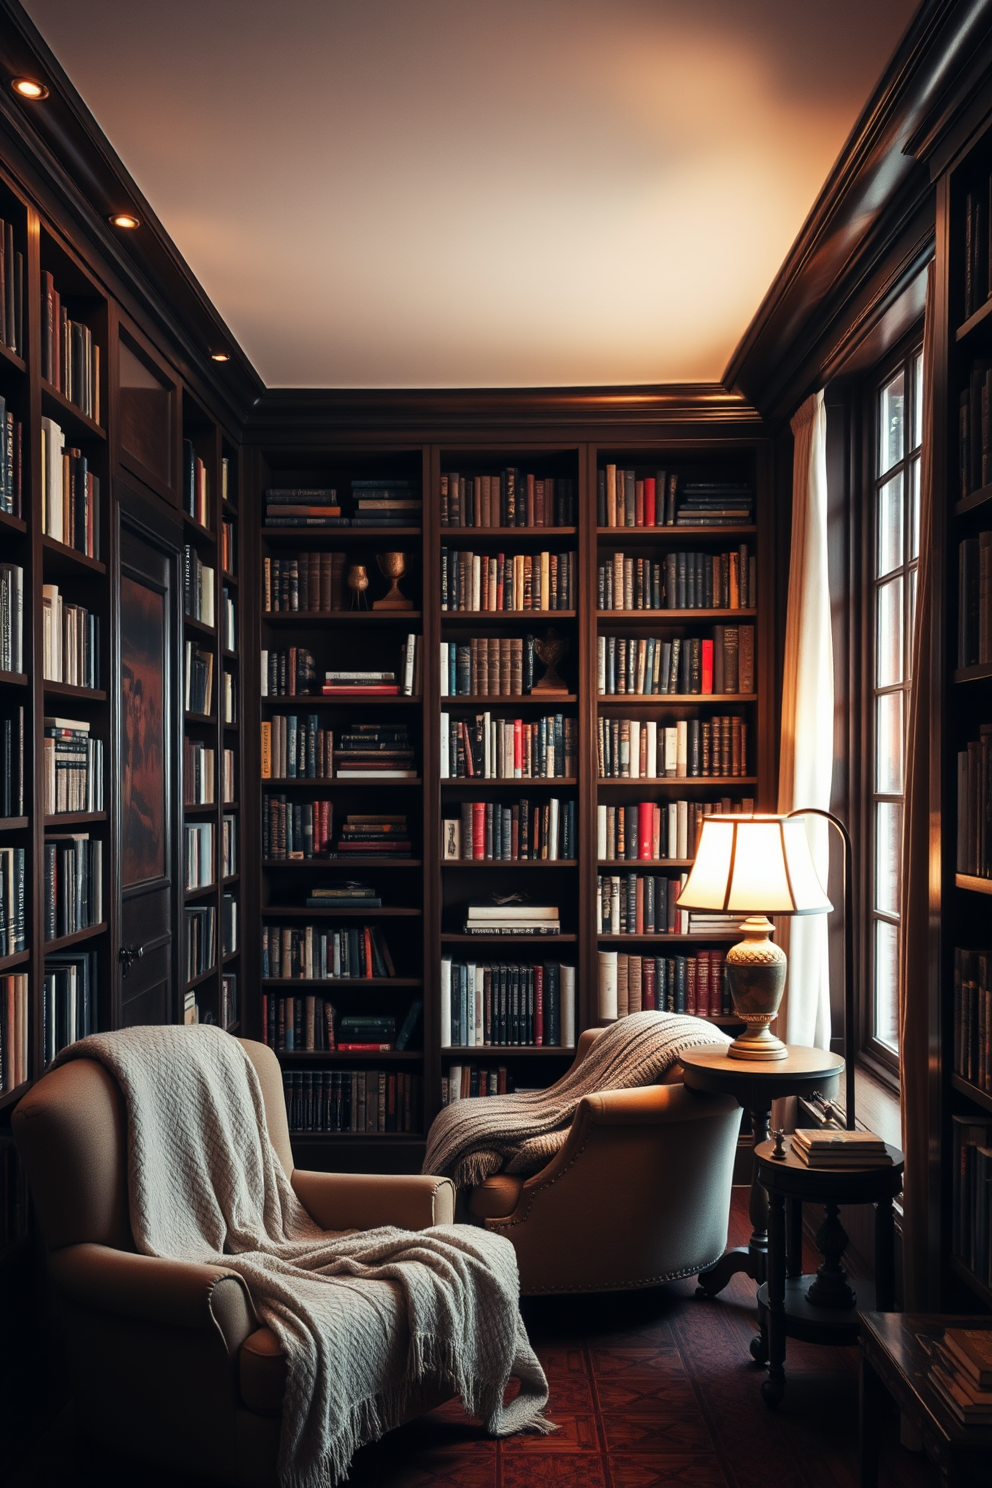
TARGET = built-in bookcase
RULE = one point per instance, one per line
(459, 573)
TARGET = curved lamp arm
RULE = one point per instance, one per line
(849, 1011)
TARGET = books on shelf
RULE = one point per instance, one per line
(14, 1032)
(11, 618)
(201, 939)
(199, 678)
(375, 834)
(291, 672)
(199, 856)
(489, 748)
(12, 762)
(693, 983)
(229, 1011)
(386, 502)
(497, 832)
(511, 915)
(73, 764)
(714, 504)
(823, 1147)
(363, 1100)
(303, 506)
(974, 436)
(70, 356)
(318, 953)
(73, 883)
(198, 773)
(679, 581)
(229, 697)
(13, 924)
(495, 581)
(312, 582)
(512, 498)
(496, 1004)
(70, 641)
(228, 544)
(349, 894)
(69, 990)
(11, 462)
(11, 291)
(973, 1017)
(977, 262)
(70, 493)
(639, 904)
(650, 665)
(971, 1215)
(229, 941)
(625, 499)
(650, 830)
(974, 836)
(488, 666)
(297, 1024)
(374, 751)
(229, 844)
(196, 486)
(294, 746)
(229, 792)
(296, 829)
(468, 1081)
(632, 749)
(228, 626)
(198, 587)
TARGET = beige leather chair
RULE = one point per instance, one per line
(168, 1361)
(638, 1195)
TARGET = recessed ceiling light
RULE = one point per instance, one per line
(220, 356)
(125, 219)
(29, 88)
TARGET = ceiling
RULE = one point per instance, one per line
(451, 193)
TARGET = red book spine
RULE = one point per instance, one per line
(645, 829)
(367, 942)
(478, 829)
(518, 746)
(649, 502)
(703, 983)
(649, 1000)
(707, 666)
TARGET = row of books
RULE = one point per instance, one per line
(975, 429)
(289, 672)
(228, 548)
(11, 618)
(195, 485)
(73, 766)
(639, 904)
(12, 762)
(11, 291)
(488, 666)
(315, 953)
(363, 1100)
(974, 841)
(378, 682)
(228, 621)
(977, 257)
(11, 462)
(375, 751)
(648, 831)
(229, 845)
(69, 993)
(229, 1007)
(311, 1024)
(229, 939)
(477, 582)
(201, 939)
(635, 749)
(975, 600)
(70, 493)
(691, 665)
(971, 1216)
(70, 356)
(229, 697)
(468, 1081)
(295, 747)
(73, 883)
(198, 587)
(679, 581)
(973, 1016)
(497, 1004)
(512, 498)
(13, 1030)
(199, 854)
(379, 502)
(492, 831)
(199, 773)
(488, 748)
(13, 928)
(310, 582)
(669, 984)
(199, 691)
(625, 499)
(305, 829)
(70, 641)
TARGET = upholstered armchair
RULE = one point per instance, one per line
(639, 1194)
(168, 1361)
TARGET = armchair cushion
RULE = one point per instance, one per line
(364, 1201)
(497, 1197)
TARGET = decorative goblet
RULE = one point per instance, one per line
(358, 582)
(392, 566)
(550, 651)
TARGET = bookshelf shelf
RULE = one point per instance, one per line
(7, 519)
(499, 617)
(964, 1087)
(14, 679)
(514, 863)
(71, 418)
(397, 984)
(65, 941)
(671, 617)
(973, 501)
(384, 912)
(671, 699)
(313, 700)
(972, 882)
(206, 720)
(511, 1051)
(199, 808)
(10, 359)
(205, 534)
(490, 942)
(353, 1056)
(198, 981)
(656, 534)
(335, 781)
(68, 690)
(357, 860)
(491, 702)
(653, 864)
(200, 627)
(189, 895)
(971, 1280)
(61, 559)
(978, 673)
(74, 818)
(13, 823)
(723, 937)
(680, 782)
(504, 534)
(342, 1139)
(344, 536)
(306, 619)
(478, 782)
(19, 958)
(973, 322)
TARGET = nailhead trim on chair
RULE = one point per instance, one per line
(508, 1225)
(630, 1286)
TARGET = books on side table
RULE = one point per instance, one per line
(823, 1147)
(962, 1374)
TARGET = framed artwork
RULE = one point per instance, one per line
(142, 754)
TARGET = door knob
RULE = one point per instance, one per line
(127, 955)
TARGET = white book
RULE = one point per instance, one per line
(445, 746)
(445, 663)
(476, 582)
(445, 1002)
(682, 812)
(652, 749)
(488, 752)
(265, 673)
(635, 749)
(671, 751)
(454, 1083)
(601, 832)
(479, 1009)
(607, 984)
(601, 665)
(513, 912)
(409, 658)
(451, 838)
(682, 768)
(553, 828)
(53, 444)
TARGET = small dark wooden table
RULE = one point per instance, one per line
(821, 1308)
(755, 1084)
(895, 1361)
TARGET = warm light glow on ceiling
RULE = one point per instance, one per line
(28, 88)
(220, 356)
(125, 219)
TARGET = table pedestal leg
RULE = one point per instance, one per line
(752, 1260)
(773, 1387)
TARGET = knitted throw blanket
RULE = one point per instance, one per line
(366, 1319)
(471, 1139)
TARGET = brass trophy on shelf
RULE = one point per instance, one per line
(358, 582)
(549, 652)
(392, 566)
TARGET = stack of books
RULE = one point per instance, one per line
(386, 503)
(962, 1373)
(714, 504)
(360, 684)
(348, 895)
(303, 506)
(364, 1033)
(513, 919)
(374, 835)
(822, 1147)
(375, 751)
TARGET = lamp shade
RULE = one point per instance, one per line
(754, 865)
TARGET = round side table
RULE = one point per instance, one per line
(821, 1308)
(755, 1084)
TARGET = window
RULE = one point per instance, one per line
(891, 596)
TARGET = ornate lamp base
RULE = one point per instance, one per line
(756, 971)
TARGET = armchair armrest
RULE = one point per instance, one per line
(364, 1201)
(175, 1294)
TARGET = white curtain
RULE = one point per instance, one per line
(807, 747)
